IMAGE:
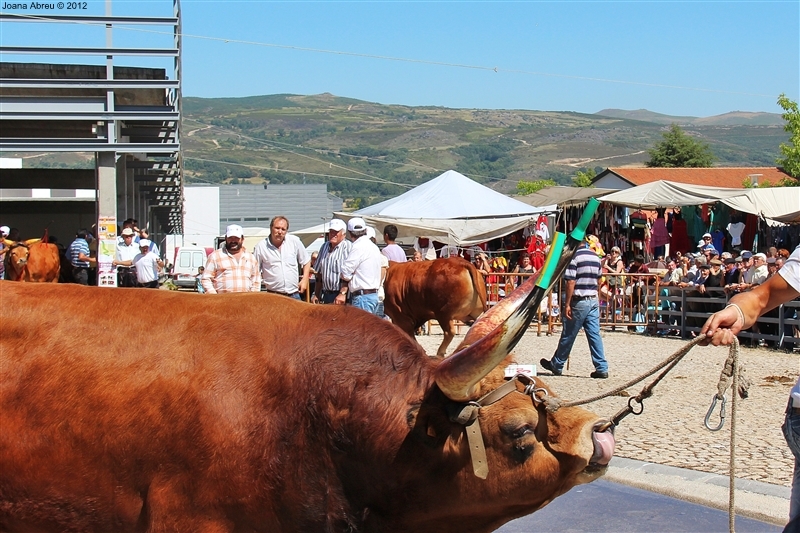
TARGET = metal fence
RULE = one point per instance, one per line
(640, 303)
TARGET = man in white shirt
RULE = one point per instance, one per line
(425, 247)
(361, 271)
(281, 257)
(147, 266)
(392, 250)
(123, 259)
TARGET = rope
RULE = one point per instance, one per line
(553, 404)
(733, 358)
(732, 376)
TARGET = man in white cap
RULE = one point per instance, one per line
(329, 263)
(123, 259)
(148, 265)
(231, 268)
(361, 270)
(280, 258)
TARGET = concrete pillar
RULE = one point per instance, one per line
(107, 214)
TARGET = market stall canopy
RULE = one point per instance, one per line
(452, 209)
(776, 204)
(309, 235)
(563, 196)
(669, 194)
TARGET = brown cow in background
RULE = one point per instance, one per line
(445, 289)
(32, 261)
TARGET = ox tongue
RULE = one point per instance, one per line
(603, 447)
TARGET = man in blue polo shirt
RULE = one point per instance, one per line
(581, 310)
(78, 255)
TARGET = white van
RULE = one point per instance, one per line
(187, 260)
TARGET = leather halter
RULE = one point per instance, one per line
(466, 414)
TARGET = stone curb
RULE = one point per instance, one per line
(754, 499)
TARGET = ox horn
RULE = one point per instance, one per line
(497, 331)
(32, 241)
(9, 243)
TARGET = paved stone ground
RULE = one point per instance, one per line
(671, 431)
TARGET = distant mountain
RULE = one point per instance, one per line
(734, 118)
(366, 152)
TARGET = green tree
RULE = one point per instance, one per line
(791, 150)
(584, 178)
(530, 187)
(679, 150)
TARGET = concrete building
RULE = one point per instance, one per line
(122, 122)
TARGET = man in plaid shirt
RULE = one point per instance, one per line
(232, 268)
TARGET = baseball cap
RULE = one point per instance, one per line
(143, 243)
(234, 230)
(5, 230)
(337, 224)
(356, 224)
(726, 255)
(738, 259)
(706, 235)
(715, 262)
(747, 254)
(729, 261)
(705, 267)
(370, 232)
(127, 231)
(763, 257)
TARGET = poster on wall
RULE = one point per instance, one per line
(106, 251)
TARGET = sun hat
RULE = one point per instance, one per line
(356, 224)
(127, 231)
(143, 243)
(234, 230)
(337, 224)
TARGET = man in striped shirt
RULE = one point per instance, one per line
(232, 268)
(329, 263)
(581, 310)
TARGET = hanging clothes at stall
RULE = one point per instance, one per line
(750, 230)
(660, 235)
(679, 242)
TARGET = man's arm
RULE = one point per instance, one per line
(303, 285)
(207, 281)
(568, 296)
(255, 275)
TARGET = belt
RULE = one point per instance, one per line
(282, 293)
(582, 298)
(794, 410)
(330, 292)
(363, 291)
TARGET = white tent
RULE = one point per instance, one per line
(775, 204)
(452, 209)
(563, 196)
(669, 194)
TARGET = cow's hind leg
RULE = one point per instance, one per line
(447, 329)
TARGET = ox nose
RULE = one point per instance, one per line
(604, 442)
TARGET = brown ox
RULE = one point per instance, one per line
(444, 289)
(255, 413)
(32, 261)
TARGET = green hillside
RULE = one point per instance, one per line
(367, 152)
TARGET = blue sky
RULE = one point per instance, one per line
(678, 58)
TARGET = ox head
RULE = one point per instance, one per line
(17, 255)
(532, 453)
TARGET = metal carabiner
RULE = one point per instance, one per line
(721, 413)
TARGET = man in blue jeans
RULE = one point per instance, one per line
(581, 310)
(740, 314)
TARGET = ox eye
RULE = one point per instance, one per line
(521, 432)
